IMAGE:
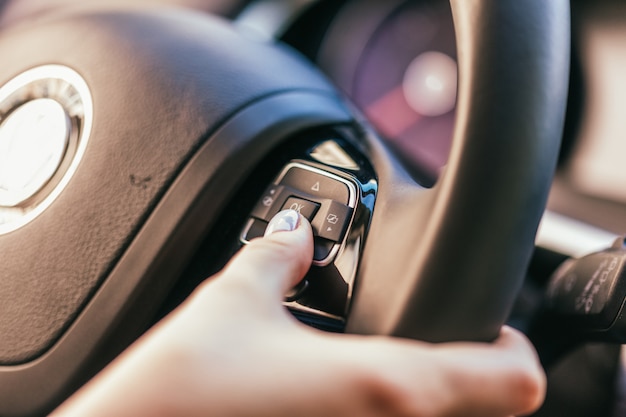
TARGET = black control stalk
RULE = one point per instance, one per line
(584, 303)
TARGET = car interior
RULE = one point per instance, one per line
(458, 162)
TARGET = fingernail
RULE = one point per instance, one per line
(285, 221)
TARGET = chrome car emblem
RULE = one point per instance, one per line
(33, 139)
(45, 121)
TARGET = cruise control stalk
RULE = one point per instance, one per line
(584, 303)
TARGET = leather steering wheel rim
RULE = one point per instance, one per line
(456, 275)
(84, 267)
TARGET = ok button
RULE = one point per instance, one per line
(304, 207)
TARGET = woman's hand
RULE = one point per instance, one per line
(233, 350)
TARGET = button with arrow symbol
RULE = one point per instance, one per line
(332, 221)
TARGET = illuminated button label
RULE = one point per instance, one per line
(316, 184)
(263, 209)
(332, 221)
(304, 207)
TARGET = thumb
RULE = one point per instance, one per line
(271, 265)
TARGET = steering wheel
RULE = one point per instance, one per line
(139, 146)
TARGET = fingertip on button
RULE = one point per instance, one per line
(284, 221)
